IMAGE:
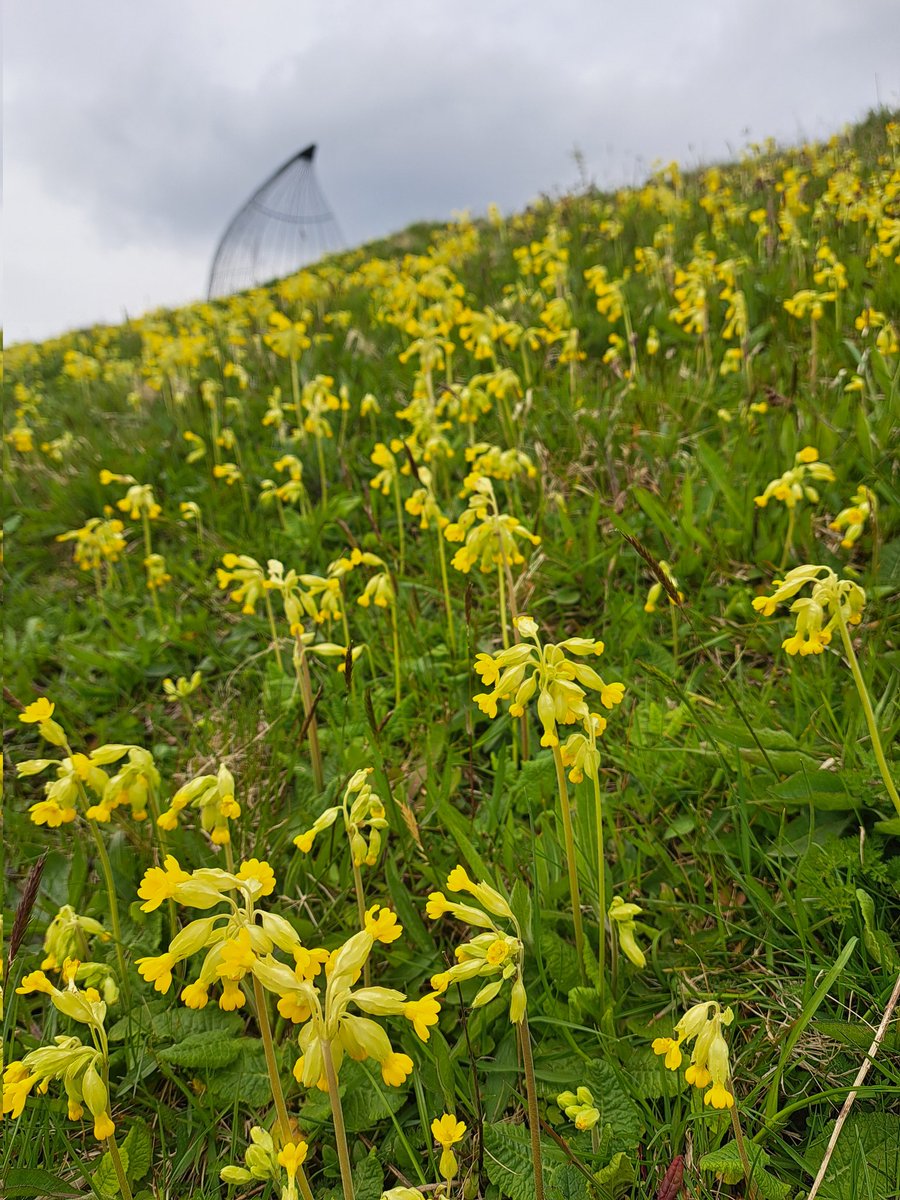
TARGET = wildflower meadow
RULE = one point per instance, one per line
(451, 705)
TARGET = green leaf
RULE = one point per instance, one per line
(616, 1178)
(877, 942)
(568, 1183)
(458, 828)
(648, 1078)
(508, 1161)
(718, 474)
(850, 1033)
(829, 791)
(245, 1078)
(560, 961)
(24, 1183)
(866, 1159)
(105, 1180)
(617, 1110)
(520, 903)
(368, 1178)
(139, 1149)
(209, 1050)
(366, 1098)
(727, 1164)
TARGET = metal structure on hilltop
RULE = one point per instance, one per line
(285, 224)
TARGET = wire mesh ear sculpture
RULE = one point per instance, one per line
(285, 224)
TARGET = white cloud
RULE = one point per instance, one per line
(134, 131)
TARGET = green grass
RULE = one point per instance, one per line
(744, 810)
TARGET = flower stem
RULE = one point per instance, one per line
(337, 1116)
(312, 728)
(265, 1029)
(571, 862)
(361, 910)
(788, 540)
(396, 645)
(273, 631)
(284, 1121)
(148, 550)
(402, 535)
(443, 561)
(534, 1121)
(601, 892)
(742, 1151)
(124, 1189)
(106, 869)
(501, 589)
(867, 711)
(323, 485)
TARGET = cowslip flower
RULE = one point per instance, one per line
(579, 1107)
(656, 589)
(98, 541)
(238, 942)
(330, 1028)
(490, 538)
(363, 818)
(81, 1069)
(67, 937)
(138, 501)
(494, 954)
(703, 1024)
(447, 1131)
(78, 776)
(524, 670)
(251, 580)
(831, 601)
(793, 485)
(622, 915)
(213, 796)
(851, 521)
(182, 687)
(495, 462)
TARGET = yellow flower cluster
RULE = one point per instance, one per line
(522, 671)
(702, 1024)
(81, 1069)
(213, 797)
(98, 540)
(792, 486)
(362, 812)
(831, 602)
(77, 775)
(579, 1107)
(490, 538)
(494, 954)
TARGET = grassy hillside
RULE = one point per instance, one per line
(427, 588)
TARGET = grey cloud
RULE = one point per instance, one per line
(155, 122)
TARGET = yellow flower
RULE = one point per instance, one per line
(236, 957)
(396, 1068)
(382, 925)
(232, 997)
(253, 868)
(436, 905)
(38, 711)
(291, 1156)
(104, 1126)
(159, 883)
(719, 1097)
(157, 971)
(668, 1047)
(422, 1013)
(447, 1131)
(195, 995)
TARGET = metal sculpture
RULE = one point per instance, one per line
(285, 224)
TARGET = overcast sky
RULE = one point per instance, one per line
(133, 131)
